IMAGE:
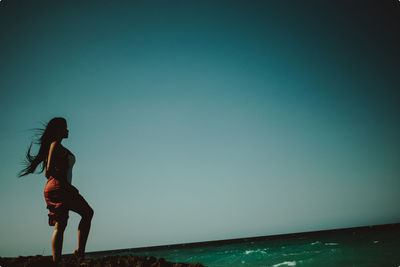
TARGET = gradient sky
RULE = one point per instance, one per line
(202, 120)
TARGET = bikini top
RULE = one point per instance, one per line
(61, 167)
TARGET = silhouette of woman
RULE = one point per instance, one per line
(60, 195)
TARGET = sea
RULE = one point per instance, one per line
(362, 246)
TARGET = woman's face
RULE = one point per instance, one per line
(64, 131)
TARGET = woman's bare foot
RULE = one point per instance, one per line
(79, 255)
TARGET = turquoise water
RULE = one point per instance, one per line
(359, 247)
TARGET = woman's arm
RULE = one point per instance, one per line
(53, 151)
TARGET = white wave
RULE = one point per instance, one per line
(247, 252)
(331, 244)
(297, 253)
(376, 241)
(288, 263)
(315, 243)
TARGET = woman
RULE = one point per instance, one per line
(60, 195)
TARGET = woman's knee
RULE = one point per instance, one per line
(89, 213)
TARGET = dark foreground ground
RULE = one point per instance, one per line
(108, 261)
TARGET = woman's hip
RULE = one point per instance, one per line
(55, 187)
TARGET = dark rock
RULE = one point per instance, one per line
(107, 261)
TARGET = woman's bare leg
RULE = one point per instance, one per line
(57, 240)
(83, 231)
(81, 207)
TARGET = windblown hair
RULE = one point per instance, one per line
(44, 138)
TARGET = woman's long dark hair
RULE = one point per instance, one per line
(47, 135)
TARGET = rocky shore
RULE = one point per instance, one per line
(108, 261)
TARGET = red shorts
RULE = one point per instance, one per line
(60, 197)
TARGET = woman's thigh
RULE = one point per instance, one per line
(79, 205)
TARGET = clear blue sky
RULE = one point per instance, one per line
(202, 120)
